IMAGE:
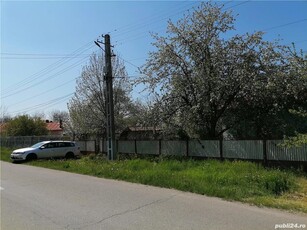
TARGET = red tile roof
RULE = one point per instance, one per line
(53, 126)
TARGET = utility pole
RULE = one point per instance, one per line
(111, 148)
(108, 78)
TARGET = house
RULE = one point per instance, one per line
(54, 128)
(140, 133)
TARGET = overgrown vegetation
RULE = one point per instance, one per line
(240, 181)
(25, 125)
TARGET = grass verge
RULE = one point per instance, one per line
(240, 181)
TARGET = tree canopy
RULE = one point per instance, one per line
(87, 107)
(209, 82)
(25, 125)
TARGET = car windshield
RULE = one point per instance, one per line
(37, 145)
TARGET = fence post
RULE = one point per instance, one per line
(135, 148)
(265, 157)
(96, 146)
(221, 149)
(102, 145)
(187, 147)
(117, 144)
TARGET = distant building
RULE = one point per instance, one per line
(140, 133)
(54, 128)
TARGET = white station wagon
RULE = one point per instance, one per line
(47, 149)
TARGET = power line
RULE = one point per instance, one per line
(145, 25)
(47, 79)
(17, 90)
(46, 70)
(50, 77)
(38, 75)
(155, 19)
(6, 56)
(151, 20)
(37, 54)
(130, 63)
(45, 92)
(283, 25)
(241, 3)
(271, 28)
(44, 104)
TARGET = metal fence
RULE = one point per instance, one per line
(25, 141)
(264, 150)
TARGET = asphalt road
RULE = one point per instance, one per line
(37, 198)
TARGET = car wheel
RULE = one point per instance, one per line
(69, 155)
(31, 156)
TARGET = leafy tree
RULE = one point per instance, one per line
(208, 82)
(25, 125)
(283, 91)
(300, 66)
(87, 107)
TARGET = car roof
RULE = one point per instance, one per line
(57, 141)
(46, 142)
(61, 141)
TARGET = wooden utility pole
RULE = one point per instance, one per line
(111, 148)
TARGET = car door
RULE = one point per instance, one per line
(46, 151)
(61, 149)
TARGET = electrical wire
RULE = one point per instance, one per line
(155, 21)
(46, 70)
(286, 24)
(145, 22)
(46, 79)
(29, 81)
(241, 3)
(271, 28)
(158, 18)
(45, 92)
(44, 104)
(5, 56)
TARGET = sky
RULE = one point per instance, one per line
(45, 44)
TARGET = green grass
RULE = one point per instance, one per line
(240, 181)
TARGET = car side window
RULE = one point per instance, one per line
(61, 145)
(69, 144)
(50, 145)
